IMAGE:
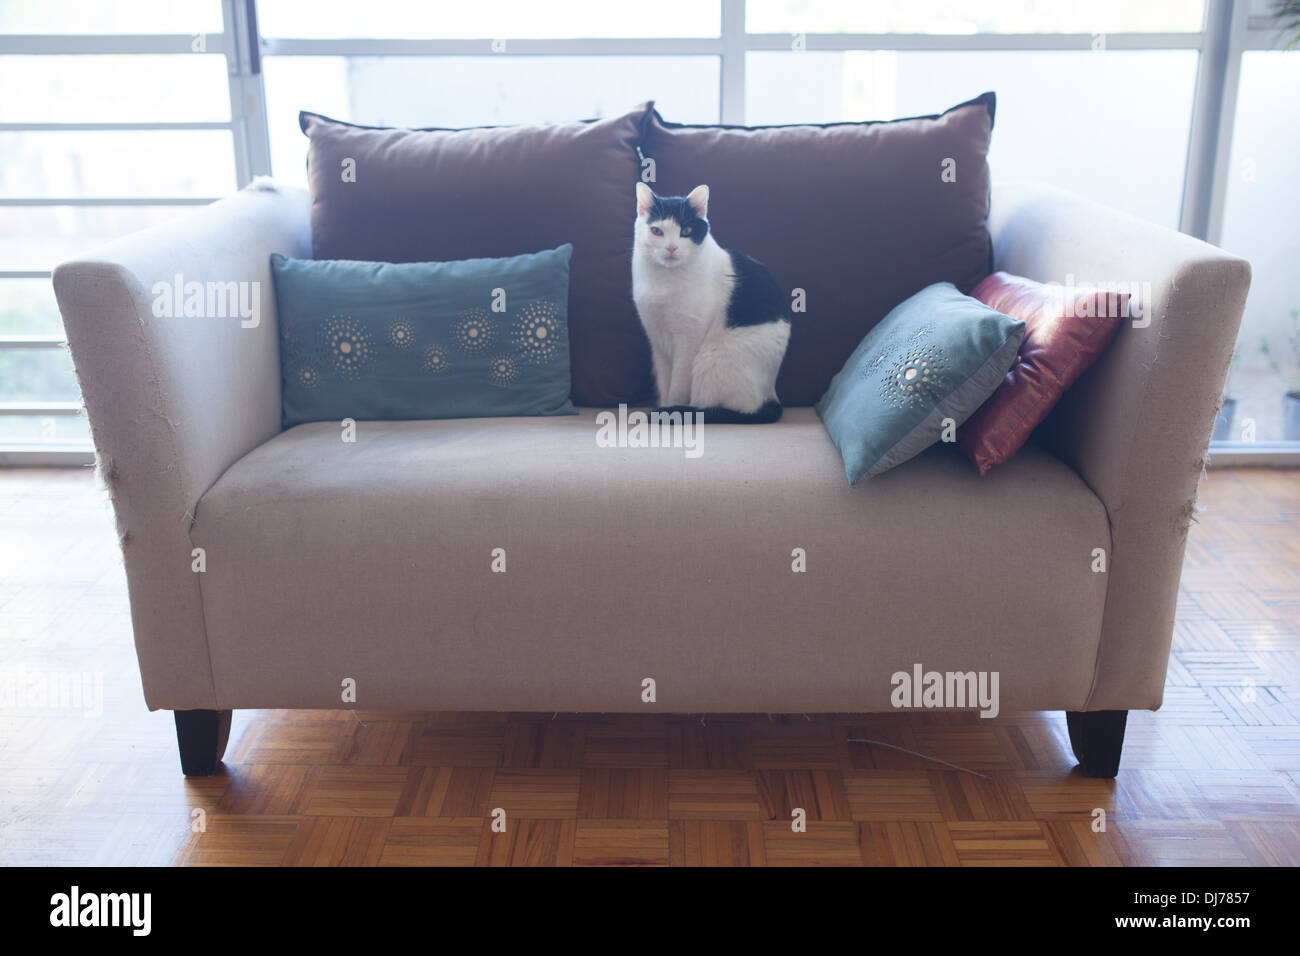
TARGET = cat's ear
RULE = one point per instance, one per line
(698, 199)
(645, 199)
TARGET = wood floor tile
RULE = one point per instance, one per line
(906, 843)
(716, 843)
(440, 745)
(709, 746)
(529, 842)
(243, 841)
(713, 795)
(430, 841)
(1182, 843)
(818, 793)
(611, 794)
(797, 746)
(446, 792)
(1054, 796)
(536, 794)
(621, 843)
(263, 789)
(614, 746)
(353, 791)
(1003, 843)
(338, 841)
(1266, 843)
(1079, 842)
(900, 795)
(967, 797)
(1257, 795)
(824, 843)
(556, 744)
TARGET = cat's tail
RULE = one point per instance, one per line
(769, 412)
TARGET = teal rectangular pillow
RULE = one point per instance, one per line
(380, 340)
(936, 356)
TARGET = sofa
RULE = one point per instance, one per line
(273, 568)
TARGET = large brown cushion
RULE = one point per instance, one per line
(490, 192)
(858, 215)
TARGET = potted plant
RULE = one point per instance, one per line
(1287, 15)
(1291, 399)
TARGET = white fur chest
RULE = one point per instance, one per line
(688, 302)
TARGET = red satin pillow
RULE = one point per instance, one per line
(1065, 331)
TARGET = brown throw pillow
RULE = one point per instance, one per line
(860, 216)
(491, 192)
(1065, 332)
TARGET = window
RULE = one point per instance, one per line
(100, 135)
(393, 91)
(1262, 397)
(1179, 111)
(957, 17)
(1073, 118)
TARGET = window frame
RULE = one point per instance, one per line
(1230, 28)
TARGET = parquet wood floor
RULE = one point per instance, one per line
(1213, 778)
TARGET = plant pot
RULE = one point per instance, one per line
(1223, 421)
(1291, 416)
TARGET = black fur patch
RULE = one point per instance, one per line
(757, 297)
(679, 211)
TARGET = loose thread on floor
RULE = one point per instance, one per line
(881, 743)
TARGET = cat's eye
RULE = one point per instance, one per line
(656, 231)
(687, 230)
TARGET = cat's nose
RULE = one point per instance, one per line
(672, 249)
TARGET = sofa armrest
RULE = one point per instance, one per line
(1137, 425)
(174, 400)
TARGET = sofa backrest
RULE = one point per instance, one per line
(852, 218)
(855, 216)
(489, 192)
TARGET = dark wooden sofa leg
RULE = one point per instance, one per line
(1097, 737)
(201, 736)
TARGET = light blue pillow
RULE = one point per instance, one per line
(381, 340)
(935, 356)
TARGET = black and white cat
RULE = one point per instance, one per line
(717, 321)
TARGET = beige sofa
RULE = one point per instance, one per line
(369, 565)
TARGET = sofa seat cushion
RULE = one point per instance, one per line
(372, 560)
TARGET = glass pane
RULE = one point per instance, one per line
(40, 237)
(112, 164)
(37, 375)
(1260, 216)
(395, 91)
(1111, 125)
(57, 431)
(965, 16)
(27, 307)
(483, 19)
(138, 88)
(119, 16)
